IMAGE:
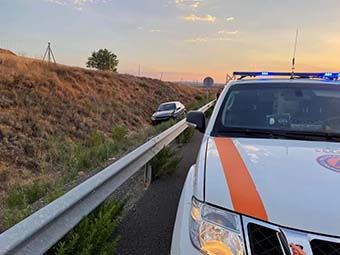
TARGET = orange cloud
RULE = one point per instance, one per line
(197, 40)
(195, 18)
(222, 32)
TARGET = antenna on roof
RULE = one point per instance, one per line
(294, 54)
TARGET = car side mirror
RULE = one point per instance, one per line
(196, 119)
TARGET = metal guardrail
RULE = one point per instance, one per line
(40, 231)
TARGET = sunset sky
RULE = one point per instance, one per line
(185, 39)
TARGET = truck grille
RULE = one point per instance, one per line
(320, 247)
(263, 241)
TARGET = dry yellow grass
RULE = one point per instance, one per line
(40, 100)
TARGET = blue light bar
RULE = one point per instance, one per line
(325, 75)
(332, 75)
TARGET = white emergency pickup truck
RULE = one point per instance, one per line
(267, 177)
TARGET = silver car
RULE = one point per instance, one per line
(167, 111)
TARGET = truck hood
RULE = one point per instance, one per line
(290, 183)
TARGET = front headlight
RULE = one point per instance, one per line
(214, 231)
(153, 118)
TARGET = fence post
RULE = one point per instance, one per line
(207, 95)
(147, 175)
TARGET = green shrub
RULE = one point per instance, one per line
(198, 97)
(95, 139)
(15, 197)
(113, 148)
(71, 158)
(164, 163)
(58, 191)
(28, 194)
(196, 104)
(36, 191)
(16, 214)
(18, 201)
(119, 133)
(156, 130)
(93, 235)
(88, 159)
(58, 151)
(186, 136)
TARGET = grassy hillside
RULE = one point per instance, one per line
(41, 102)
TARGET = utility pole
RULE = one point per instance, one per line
(139, 70)
(49, 54)
(161, 76)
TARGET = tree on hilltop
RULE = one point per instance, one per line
(103, 60)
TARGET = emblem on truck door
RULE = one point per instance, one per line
(331, 162)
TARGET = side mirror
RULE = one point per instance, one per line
(196, 119)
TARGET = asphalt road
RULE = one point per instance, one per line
(147, 227)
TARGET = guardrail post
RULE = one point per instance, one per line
(147, 175)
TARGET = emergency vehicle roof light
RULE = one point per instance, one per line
(325, 75)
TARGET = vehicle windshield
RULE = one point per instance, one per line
(301, 108)
(166, 107)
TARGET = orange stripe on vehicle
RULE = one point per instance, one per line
(245, 198)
